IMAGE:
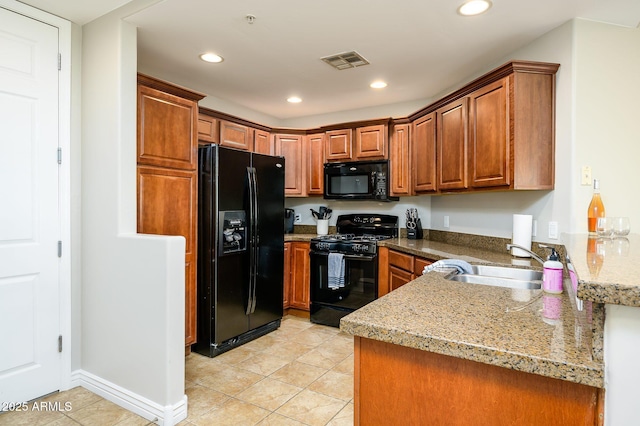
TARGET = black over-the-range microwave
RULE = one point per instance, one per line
(357, 180)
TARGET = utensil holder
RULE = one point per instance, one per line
(323, 226)
(414, 230)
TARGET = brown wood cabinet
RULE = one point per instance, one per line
(423, 154)
(489, 136)
(451, 137)
(168, 127)
(371, 142)
(291, 147)
(286, 291)
(338, 145)
(208, 129)
(300, 286)
(395, 269)
(262, 142)
(315, 165)
(400, 160)
(236, 135)
(453, 391)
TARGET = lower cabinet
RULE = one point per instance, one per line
(453, 391)
(395, 269)
(296, 275)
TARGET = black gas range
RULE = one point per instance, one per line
(344, 266)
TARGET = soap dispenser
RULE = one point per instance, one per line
(552, 273)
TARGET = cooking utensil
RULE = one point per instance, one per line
(315, 214)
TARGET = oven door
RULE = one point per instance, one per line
(328, 305)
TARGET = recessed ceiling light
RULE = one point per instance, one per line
(211, 57)
(294, 100)
(378, 85)
(474, 7)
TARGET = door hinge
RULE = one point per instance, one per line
(59, 155)
(60, 343)
(59, 61)
(59, 248)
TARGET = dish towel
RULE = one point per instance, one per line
(335, 270)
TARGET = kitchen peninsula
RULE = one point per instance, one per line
(451, 352)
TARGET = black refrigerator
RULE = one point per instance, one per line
(240, 247)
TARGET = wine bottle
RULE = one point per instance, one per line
(596, 208)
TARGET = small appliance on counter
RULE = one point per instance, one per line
(414, 226)
(289, 219)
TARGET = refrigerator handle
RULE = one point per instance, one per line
(256, 240)
(252, 245)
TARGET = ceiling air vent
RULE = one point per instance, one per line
(343, 61)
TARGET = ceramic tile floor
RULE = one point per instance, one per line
(300, 374)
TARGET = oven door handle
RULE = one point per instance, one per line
(365, 257)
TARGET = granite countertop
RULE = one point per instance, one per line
(524, 330)
(299, 237)
(607, 270)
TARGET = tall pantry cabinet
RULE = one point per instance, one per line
(167, 173)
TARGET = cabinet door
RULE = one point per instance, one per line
(338, 145)
(400, 161)
(419, 265)
(208, 129)
(315, 166)
(167, 206)
(398, 277)
(291, 148)
(236, 135)
(166, 130)
(489, 136)
(262, 142)
(287, 276)
(423, 154)
(371, 142)
(300, 282)
(451, 135)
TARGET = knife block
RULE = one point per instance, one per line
(415, 232)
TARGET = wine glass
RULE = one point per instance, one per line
(620, 226)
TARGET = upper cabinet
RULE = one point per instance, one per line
(358, 141)
(423, 154)
(371, 142)
(497, 132)
(400, 160)
(208, 129)
(338, 145)
(291, 147)
(451, 146)
(236, 135)
(489, 135)
(315, 165)
(262, 142)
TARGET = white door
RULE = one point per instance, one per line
(30, 365)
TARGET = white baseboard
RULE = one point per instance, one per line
(162, 415)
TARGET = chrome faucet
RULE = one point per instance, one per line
(535, 256)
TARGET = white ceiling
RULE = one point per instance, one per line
(420, 47)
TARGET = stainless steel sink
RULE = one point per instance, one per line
(500, 276)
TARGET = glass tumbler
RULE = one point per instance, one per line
(620, 226)
(604, 227)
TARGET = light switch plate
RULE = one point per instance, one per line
(553, 230)
(446, 221)
(585, 176)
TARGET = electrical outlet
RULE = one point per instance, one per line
(298, 218)
(446, 221)
(534, 230)
(585, 176)
(553, 230)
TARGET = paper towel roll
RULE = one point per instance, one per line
(522, 234)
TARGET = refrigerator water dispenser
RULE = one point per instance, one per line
(233, 232)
